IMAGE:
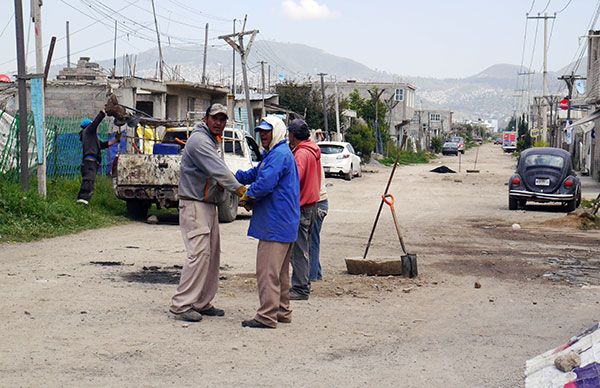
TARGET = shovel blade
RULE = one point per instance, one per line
(409, 265)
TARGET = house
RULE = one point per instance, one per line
(398, 96)
(582, 136)
(428, 123)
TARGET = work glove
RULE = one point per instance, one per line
(241, 191)
(246, 202)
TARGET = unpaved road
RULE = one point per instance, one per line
(66, 321)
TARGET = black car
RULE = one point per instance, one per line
(544, 175)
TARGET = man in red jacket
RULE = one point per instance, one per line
(308, 160)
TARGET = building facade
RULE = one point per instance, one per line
(428, 123)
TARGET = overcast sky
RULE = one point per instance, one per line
(439, 38)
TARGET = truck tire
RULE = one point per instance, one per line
(228, 208)
(137, 209)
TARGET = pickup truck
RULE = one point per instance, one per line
(143, 179)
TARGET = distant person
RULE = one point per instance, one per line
(92, 155)
(315, 234)
(274, 193)
(204, 179)
(308, 160)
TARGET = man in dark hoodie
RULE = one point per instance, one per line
(92, 155)
(308, 160)
(203, 182)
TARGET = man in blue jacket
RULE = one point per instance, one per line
(275, 195)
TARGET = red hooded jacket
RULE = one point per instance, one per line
(308, 161)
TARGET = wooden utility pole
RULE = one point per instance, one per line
(233, 61)
(545, 68)
(262, 89)
(205, 50)
(244, 52)
(22, 84)
(68, 47)
(570, 81)
(376, 96)
(114, 69)
(326, 124)
(160, 55)
(337, 111)
(36, 14)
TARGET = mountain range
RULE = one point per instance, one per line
(489, 94)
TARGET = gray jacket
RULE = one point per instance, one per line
(204, 176)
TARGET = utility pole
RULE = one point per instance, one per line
(23, 145)
(337, 111)
(262, 70)
(36, 13)
(326, 125)
(114, 70)
(68, 47)
(570, 81)
(244, 52)
(160, 55)
(376, 96)
(269, 78)
(545, 69)
(233, 61)
(204, 59)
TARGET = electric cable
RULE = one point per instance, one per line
(7, 24)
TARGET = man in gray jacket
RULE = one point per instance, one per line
(204, 179)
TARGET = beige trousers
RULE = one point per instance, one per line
(273, 279)
(199, 224)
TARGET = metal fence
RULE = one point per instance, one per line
(63, 147)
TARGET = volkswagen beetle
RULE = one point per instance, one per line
(544, 175)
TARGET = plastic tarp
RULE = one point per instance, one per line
(541, 372)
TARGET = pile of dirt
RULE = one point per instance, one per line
(579, 219)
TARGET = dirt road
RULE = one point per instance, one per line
(66, 321)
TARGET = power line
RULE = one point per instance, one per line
(565, 7)
(546, 7)
(532, 5)
(7, 24)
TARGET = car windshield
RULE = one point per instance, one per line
(456, 139)
(331, 149)
(544, 160)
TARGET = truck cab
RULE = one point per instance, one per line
(150, 175)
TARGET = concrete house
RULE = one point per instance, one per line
(398, 96)
(429, 123)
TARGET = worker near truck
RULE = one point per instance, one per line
(308, 160)
(274, 193)
(204, 180)
(92, 153)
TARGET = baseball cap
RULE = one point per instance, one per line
(264, 126)
(299, 128)
(216, 109)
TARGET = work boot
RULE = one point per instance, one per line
(210, 312)
(189, 316)
(296, 296)
(254, 324)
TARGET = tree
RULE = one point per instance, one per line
(362, 139)
(307, 100)
(524, 138)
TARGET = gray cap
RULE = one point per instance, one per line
(215, 109)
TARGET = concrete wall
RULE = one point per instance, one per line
(424, 125)
(68, 100)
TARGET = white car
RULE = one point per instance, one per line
(339, 158)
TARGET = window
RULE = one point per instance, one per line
(434, 117)
(399, 95)
(191, 103)
(329, 149)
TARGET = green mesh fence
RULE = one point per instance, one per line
(63, 147)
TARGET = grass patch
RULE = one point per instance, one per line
(27, 217)
(407, 157)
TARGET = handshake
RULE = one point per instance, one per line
(245, 201)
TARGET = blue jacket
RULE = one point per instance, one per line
(275, 186)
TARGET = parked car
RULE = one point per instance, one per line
(544, 175)
(339, 158)
(478, 139)
(460, 142)
(498, 141)
(450, 148)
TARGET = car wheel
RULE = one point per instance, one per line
(137, 209)
(228, 208)
(359, 173)
(571, 205)
(513, 203)
(348, 176)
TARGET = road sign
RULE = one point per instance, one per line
(564, 104)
